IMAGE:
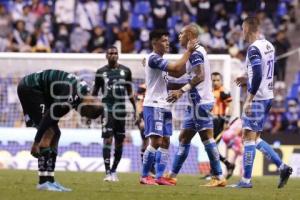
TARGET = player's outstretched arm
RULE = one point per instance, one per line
(177, 68)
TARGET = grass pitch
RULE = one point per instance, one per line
(20, 185)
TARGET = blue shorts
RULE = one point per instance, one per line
(158, 121)
(257, 119)
(199, 117)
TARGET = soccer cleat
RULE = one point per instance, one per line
(284, 176)
(114, 177)
(164, 181)
(230, 169)
(107, 178)
(148, 180)
(47, 186)
(170, 179)
(215, 182)
(241, 184)
(64, 189)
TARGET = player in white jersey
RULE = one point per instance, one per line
(198, 117)
(259, 77)
(157, 114)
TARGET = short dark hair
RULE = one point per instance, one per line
(157, 34)
(253, 23)
(217, 74)
(111, 47)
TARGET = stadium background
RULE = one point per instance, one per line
(72, 26)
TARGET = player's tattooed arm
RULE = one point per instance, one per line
(198, 78)
(177, 68)
(199, 75)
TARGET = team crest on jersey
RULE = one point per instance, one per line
(122, 73)
(268, 47)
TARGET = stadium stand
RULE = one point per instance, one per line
(42, 19)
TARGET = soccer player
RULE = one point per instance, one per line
(157, 114)
(115, 82)
(259, 78)
(198, 118)
(45, 97)
(221, 113)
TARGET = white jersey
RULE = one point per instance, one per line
(260, 60)
(202, 93)
(156, 82)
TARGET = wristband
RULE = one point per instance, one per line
(186, 87)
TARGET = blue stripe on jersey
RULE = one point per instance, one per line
(196, 58)
(157, 62)
(255, 59)
(194, 96)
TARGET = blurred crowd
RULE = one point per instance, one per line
(285, 112)
(92, 25)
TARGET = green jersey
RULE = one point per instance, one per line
(114, 84)
(58, 86)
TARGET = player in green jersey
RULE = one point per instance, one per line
(45, 97)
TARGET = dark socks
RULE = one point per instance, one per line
(106, 156)
(117, 158)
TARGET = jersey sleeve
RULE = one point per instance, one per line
(157, 62)
(99, 83)
(255, 60)
(129, 76)
(196, 59)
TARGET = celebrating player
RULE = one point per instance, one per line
(45, 97)
(198, 118)
(157, 114)
(259, 77)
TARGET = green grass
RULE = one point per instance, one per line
(20, 185)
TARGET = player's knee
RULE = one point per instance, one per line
(155, 141)
(249, 136)
(119, 139)
(206, 134)
(184, 140)
(107, 141)
(165, 142)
